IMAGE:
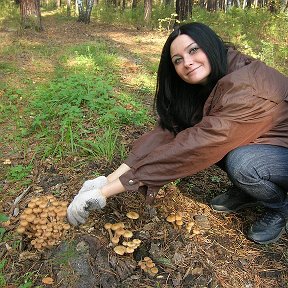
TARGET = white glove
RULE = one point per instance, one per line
(98, 182)
(82, 204)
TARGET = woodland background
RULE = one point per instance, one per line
(76, 84)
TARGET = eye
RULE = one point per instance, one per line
(193, 50)
(177, 61)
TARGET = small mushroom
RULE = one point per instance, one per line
(129, 250)
(132, 215)
(120, 250)
(171, 219)
(189, 226)
(108, 226)
(127, 235)
(196, 231)
(115, 240)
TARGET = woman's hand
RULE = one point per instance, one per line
(83, 203)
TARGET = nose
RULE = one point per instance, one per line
(188, 61)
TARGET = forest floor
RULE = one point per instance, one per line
(219, 256)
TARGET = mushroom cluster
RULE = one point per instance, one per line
(43, 221)
(176, 219)
(117, 233)
(148, 266)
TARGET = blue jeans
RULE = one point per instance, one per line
(261, 171)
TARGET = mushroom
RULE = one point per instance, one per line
(129, 250)
(189, 226)
(195, 232)
(127, 235)
(132, 215)
(171, 219)
(108, 226)
(137, 241)
(43, 221)
(120, 250)
(115, 240)
(21, 229)
(116, 226)
(147, 265)
(153, 271)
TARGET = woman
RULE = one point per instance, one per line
(215, 105)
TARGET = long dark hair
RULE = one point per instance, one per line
(179, 104)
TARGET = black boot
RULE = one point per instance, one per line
(232, 201)
(268, 228)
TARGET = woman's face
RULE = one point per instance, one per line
(190, 62)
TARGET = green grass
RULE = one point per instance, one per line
(70, 100)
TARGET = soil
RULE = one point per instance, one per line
(219, 256)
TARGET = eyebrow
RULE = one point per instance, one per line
(184, 49)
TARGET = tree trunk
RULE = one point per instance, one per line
(183, 9)
(88, 11)
(212, 5)
(68, 8)
(31, 14)
(147, 10)
(134, 4)
(81, 17)
(85, 15)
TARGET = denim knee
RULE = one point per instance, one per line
(260, 170)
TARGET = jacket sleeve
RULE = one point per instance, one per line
(147, 143)
(235, 115)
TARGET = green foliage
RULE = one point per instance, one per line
(2, 277)
(256, 32)
(19, 172)
(3, 218)
(167, 23)
(9, 12)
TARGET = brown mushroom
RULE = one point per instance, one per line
(120, 250)
(127, 235)
(132, 215)
(108, 226)
(189, 226)
(129, 250)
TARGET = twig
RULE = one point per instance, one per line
(15, 208)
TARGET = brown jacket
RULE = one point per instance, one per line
(248, 105)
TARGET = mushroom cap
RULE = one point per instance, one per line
(128, 234)
(24, 223)
(28, 211)
(130, 250)
(120, 231)
(107, 226)
(154, 270)
(115, 240)
(147, 258)
(171, 218)
(30, 217)
(31, 204)
(20, 229)
(132, 215)
(137, 241)
(179, 222)
(190, 224)
(178, 216)
(115, 226)
(196, 231)
(120, 250)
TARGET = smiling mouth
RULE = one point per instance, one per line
(193, 70)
